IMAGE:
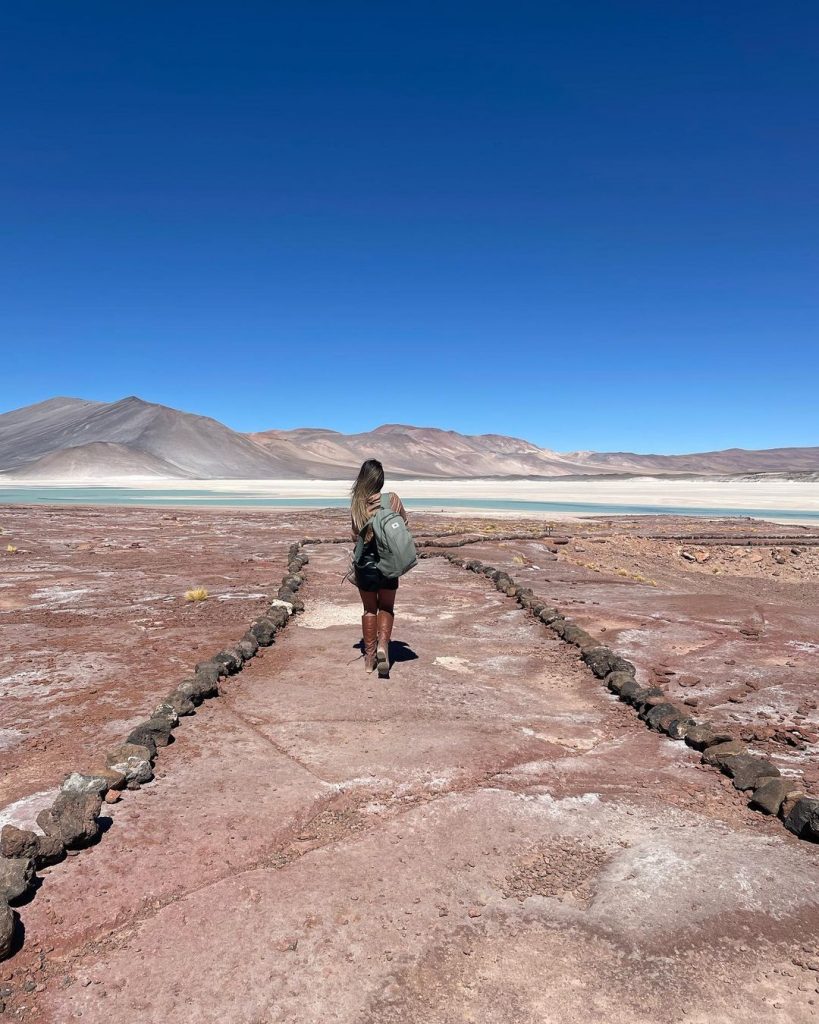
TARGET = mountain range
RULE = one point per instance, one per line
(74, 439)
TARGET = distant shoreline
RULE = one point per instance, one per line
(716, 497)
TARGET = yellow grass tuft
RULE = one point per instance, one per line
(11, 549)
(197, 594)
(625, 573)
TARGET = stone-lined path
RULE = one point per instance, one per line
(486, 837)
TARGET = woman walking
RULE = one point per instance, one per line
(377, 591)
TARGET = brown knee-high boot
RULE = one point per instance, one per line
(382, 654)
(369, 629)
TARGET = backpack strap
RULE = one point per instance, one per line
(386, 500)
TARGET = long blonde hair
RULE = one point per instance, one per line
(369, 481)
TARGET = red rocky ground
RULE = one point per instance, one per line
(724, 615)
(488, 836)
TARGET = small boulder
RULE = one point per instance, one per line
(180, 703)
(139, 737)
(252, 642)
(770, 792)
(7, 927)
(576, 635)
(76, 815)
(16, 877)
(77, 782)
(652, 697)
(278, 615)
(703, 736)
(615, 681)
(803, 819)
(286, 594)
(248, 649)
(50, 849)
(601, 660)
(209, 672)
(678, 728)
(18, 842)
(264, 630)
(191, 690)
(202, 687)
(716, 755)
(620, 664)
(597, 658)
(156, 731)
(230, 659)
(661, 715)
(635, 694)
(548, 615)
(790, 801)
(47, 822)
(133, 761)
(167, 711)
(748, 771)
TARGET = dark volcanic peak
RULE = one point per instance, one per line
(77, 439)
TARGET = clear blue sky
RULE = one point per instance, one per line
(592, 224)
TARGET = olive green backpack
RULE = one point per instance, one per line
(393, 541)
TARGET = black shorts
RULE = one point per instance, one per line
(370, 579)
(367, 576)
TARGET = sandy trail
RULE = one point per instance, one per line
(486, 837)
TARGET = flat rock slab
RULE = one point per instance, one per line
(505, 843)
(348, 932)
(715, 633)
(198, 823)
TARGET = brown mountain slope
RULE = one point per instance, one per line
(416, 451)
(74, 438)
(732, 461)
(99, 460)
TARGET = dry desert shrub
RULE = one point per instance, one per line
(196, 594)
(11, 549)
